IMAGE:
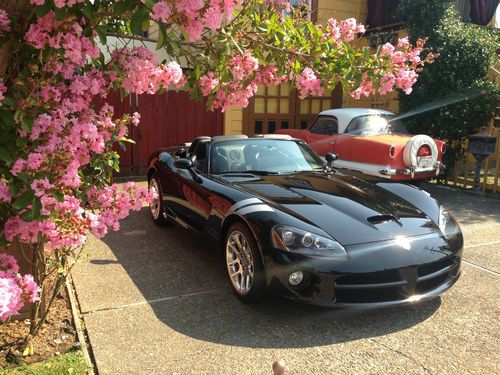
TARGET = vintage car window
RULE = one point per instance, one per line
(263, 155)
(200, 157)
(325, 126)
(375, 124)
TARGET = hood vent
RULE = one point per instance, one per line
(379, 219)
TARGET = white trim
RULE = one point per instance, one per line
(367, 168)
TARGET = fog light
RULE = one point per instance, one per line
(296, 278)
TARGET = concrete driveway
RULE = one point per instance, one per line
(156, 301)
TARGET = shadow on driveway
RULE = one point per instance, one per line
(471, 209)
(184, 280)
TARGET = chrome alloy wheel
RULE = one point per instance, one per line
(240, 263)
(154, 204)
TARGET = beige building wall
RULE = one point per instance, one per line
(233, 120)
(339, 9)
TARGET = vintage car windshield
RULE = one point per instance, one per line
(375, 124)
(262, 155)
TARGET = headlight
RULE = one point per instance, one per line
(301, 241)
(447, 224)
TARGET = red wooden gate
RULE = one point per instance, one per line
(166, 119)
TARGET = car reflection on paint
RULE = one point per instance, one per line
(289, 224)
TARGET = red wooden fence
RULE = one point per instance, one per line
(166, 119)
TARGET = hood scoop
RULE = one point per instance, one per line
(380, 219)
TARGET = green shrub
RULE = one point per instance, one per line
(466, 52)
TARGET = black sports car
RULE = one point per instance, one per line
(289, 223)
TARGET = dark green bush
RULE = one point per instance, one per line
(466, 52)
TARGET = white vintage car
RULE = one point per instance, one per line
(367, 141)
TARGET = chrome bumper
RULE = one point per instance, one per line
(438, 168)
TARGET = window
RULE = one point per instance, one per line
(263, 155)
(200, 157)
(374, 124)
(381, 13)
(325, 126)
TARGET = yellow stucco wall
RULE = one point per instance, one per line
(339, 9)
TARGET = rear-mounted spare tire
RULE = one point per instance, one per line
(420, 146)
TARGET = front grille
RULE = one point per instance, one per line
(394, 285)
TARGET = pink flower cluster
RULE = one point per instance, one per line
(64, 140)
(243, 86)
(247, 76)
(345, 30)
(58, 3)
(4, 22)
(77, 48)
(3, 89)
(140, 72)
(15, 289)
(308, 84)
(5, 195)
(69, 223)
(114, 203)
(404, 62)
(194, 16)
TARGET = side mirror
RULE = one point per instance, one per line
(330, 157)
(187, 164)
(183, 163)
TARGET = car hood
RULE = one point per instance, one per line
(351, 210)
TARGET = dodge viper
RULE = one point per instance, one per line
(290, 224)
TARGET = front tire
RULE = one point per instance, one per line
(243, 264)
(156, 204)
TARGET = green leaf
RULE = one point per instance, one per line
(311, 28)
(136, 21)
(88, 12)
(60, 13)
(21, 142)
(41, 11)
(145, 23)
(366, 53)
(34, 213)
(101, 32)
(58, 195)
(7, 117)
(3, 241)
(124, 6)
(23, 200)
(18, 115)
(23, 177)
(27, 124)
(9, 101)
(5, 155)
(162, 36)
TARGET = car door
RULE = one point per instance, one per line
(191, 201)
(323, 134)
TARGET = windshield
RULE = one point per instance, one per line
(375, 124)
(262, 155)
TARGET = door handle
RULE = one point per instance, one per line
(332, 142)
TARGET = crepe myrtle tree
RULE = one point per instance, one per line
(56, 148)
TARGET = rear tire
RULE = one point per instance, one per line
(244, 265)
(156, 207)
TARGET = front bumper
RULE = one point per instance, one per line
(375, 275)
